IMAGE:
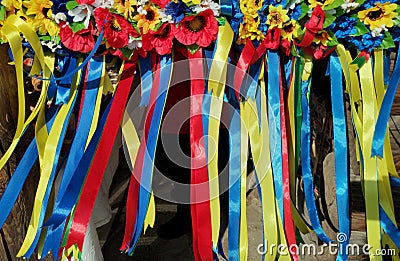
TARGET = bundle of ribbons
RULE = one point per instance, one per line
(272, 45)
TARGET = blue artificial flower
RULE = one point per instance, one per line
(295, 13)
(237, 18)
(263, 14)
(343, 26)
(177, 10)
(366, 42)
(370, 3)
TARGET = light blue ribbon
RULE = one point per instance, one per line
(146, 74)
(340, 145)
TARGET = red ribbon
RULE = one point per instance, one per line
(134, 185)
(95, 175)
(288, 222)
(244, 62)
(199, 190)
(313, 26)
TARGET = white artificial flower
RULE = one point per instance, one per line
(292, 4)
(378, 31)
(51, 45)
(59, 17)
(81, 13)
(134, 43)
(349, 5)
(107, 4)
(164, 17)
(206, 4)
(141, 10)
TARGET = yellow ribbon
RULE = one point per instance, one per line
(216, 85)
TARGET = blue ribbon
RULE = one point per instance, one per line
(89, 93)
(389, 227)
(340, 145)
(146, 74)
(226, 8)
(20, 174)
(274, 121)
(384, 114)
(148, 161)
(394, 182)
(234, 187)
(68, 65)
(305, 166)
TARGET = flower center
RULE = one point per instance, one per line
(196, 24)
(276, 18)
(115, 25)
(150, 15)
(375, 14)
(164, 32)
(288, 28)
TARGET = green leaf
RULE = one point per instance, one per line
(76, 27)
(127, 53)
(334, 5)
(304, 10)
(71, 5)
(221, 21)
(334, 40)
(387, 41)
(361, 29)
(193, 48)
(2, 13)
(329, 19)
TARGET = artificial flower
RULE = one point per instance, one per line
(103, 3)
(192, 2)
(343, 27)
(290, 30)
(204, 5)
(177, 10)
(322, 37)
(277, 16)
(378, 15)
(161, 40)
(84, 2)
(38, 7)
(12, 5)
(125, 8)
(116, 29)
(272, 39)
(81, 13)
(43, 25)
(60, 17)
(249, 29)
(148, 20)
(161, 3)
(322, 3)
(200, 29)
(164, 17)
(366, 42)
(81, 41)
(349, 5)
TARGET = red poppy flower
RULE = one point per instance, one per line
(273, 39)
(81, 41)
(116, 29)
(161, 40)
(83, 2)
(200, 29)
(161, 3)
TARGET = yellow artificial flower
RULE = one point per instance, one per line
(290, 30)
(44, 25)
(249, 7)
(38, 7)
(12, 5)
(192, 2)
(277, 17)
(125, 8)
(149, 20)
(322, 3)
(379, 15)
(249, 30)
(322, 37)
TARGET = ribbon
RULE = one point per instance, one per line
(340, 145)
(151, 143)
(200, 202)
(91, 187)
(275, 123)
(63, 88)
(383, 117)
(313, 25)
(305, 164)
(147, 79)
(134, 186)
